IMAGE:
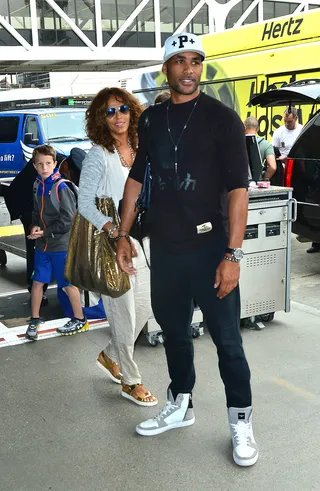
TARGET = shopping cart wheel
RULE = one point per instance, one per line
(267, 317)
(3, 257)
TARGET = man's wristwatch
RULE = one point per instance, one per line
(236, 254)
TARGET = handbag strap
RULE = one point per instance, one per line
(147, 121)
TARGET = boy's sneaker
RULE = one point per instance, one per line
(175, 414)
(73, 326)
(245, 449)
(32, 331)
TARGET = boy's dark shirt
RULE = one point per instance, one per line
(212, 160)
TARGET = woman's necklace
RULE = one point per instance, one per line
(121, 157)
(175, 144)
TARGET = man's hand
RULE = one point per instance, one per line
(282, 158)
(227, 277)
(125, 251)
(35, 233)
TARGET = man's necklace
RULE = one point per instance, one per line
(175, 144)
(121, 157)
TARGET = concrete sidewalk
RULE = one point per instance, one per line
(64, 426)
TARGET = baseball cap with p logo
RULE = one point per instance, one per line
(181, 43)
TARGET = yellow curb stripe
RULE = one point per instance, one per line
(11, 230)
(293, 388)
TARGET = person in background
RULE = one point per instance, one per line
(50, 230)
(162, 97)
(284, 137)
(199, 203)
(111, 122)
(315, 247)
(251, 126)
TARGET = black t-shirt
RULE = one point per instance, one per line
(211, 161)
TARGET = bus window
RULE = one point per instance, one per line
(9, 129)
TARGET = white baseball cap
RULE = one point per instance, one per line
(181, 43)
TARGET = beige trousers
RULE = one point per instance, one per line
(127, 315)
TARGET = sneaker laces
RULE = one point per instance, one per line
(242, 432)
(166, 410)
(33, 326)
(70, 323)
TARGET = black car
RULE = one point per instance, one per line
(302, 169)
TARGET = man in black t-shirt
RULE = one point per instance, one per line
(199, 201)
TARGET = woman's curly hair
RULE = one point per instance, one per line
(96, 125)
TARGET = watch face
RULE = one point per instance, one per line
(238, 254)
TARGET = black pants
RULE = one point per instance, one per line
(178, 278)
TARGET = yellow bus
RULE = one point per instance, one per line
(246, 61)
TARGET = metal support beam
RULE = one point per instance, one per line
(189, 17)
(69, 21)
(157, 23)
(247, 12)
(34, 27)
(97, 12)
(211, 17)
(11, 30)
(126, 24)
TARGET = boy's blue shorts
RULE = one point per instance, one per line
(50, 265)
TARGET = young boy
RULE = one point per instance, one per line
(50, 230)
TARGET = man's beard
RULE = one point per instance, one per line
(184, 90)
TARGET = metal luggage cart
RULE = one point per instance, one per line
(154, 334)
(266, 266)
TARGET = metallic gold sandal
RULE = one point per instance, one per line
(107, 365)
(140, 400)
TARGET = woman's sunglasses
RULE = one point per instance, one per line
(111, 111)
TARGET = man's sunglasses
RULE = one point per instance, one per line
(111, 111)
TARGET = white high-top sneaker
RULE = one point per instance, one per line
(245, 449)
(175, 414)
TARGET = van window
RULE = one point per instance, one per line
(32, 127)
(63, 126)
(307, 144)
(9, 129)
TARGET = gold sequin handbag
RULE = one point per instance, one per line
(91, 260)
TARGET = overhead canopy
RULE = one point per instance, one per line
(302, 92)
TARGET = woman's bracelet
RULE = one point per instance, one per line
(111, 231)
